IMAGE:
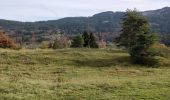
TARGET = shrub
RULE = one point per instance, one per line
(61, 42)
(102, 44)
(6, 42)
(44, 45)
(18, 47)
(162, 50)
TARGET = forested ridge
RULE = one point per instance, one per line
(108, 23)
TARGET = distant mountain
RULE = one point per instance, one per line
(159, 19)
(102, 22)
(105, 22)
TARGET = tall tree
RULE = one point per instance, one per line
(137, 39)
(86, 38)
(93, 43)
(77, 41)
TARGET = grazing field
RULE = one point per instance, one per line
(80, 74)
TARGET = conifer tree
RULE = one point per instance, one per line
(93, 43)
(137, 39)
(86, 38)
(77, 41)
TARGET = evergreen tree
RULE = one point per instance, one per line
(137, 39)
(86, 38)
(78, 41)
(93, 43)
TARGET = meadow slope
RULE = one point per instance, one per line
(80, 74)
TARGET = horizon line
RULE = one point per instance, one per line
(77, 16)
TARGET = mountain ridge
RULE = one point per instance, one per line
(108, 22)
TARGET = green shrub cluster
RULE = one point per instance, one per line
(86, 40)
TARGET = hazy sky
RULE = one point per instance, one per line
(36, 10)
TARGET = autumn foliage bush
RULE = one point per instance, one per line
(162, 50)
(61, 42)
(6, 42)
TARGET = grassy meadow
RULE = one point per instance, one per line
(80, 74)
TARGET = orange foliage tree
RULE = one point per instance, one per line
(6, 42)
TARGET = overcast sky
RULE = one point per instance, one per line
(38, 10)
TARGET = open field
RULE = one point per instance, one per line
(80, 74)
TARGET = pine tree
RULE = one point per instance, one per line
(77, 42)
(92, 42)
(86, 38)
(137, 39)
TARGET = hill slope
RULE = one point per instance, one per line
(74, 74)
(102, 22)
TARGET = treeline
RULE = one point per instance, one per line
(60, 40)
(85, 39)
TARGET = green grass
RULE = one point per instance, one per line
(80, 74)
